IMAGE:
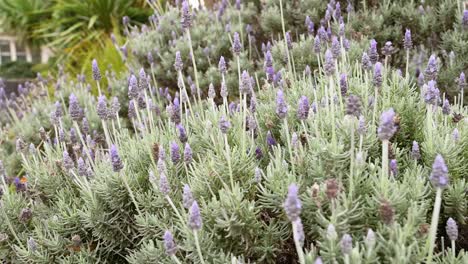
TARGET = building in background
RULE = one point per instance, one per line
(12, 50)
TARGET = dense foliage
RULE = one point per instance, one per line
(277, 140)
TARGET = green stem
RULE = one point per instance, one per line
(452, 242)
(374, 113)
(194, 65)
(384, 174)
(284, 36)
(228, 157)
(407, 63)
(106, 133)
(332, 108)
(300, 252)
(288, 139)
(99, 87)
(434, 222)
(351, 167)
(197, 243)
(175, 259)
(169, 200)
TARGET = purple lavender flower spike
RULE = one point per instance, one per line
(175, 112)
(169, 244)
(303, 108)
(431, 70)
(318, 260)
(439, 175)
(462, 81)
(451, 229)
(114, 108)
(187, 197)
(188, 156)
(378, 79)
(292, 205)
(311, 28)
(349, 8)
(322, 33)
(446, 107)
(373, 54)
(133, 87)
(271, 142)
(236, 44)
(224, 125)
(58, 110)
(96, 72)
(82, 168)
(61, 135)
(222, 65)
(366, 62)
(75, 110)
(335, 47)
(268, 59)
(178, 64)
(362, 127)
(150, 58)
(407, 42)
(393, 167)
(343, 84)
(353, 106)
(143, 84)
(175, 155)
(337, 11)
(67, 162)
(289, 40)
(211, 91)
(327, 15)
(102, 110)
(164, 186)
(341, 32)
(415, 152)
(281, 106)
(195, 220)
(329, 33)
(182, 133)
(232, 108)
(465, 19)
(346, 44)
(317, 44)
(294, 140)
(346, 244)
(224, 91)
(456, 134)
(432, 95)
(131, 109)
(388, 49)
(125, 20)
(85, 126)
(420, 78)
(387, 126)
(329, 63)
(246, 85)
(307, 21)
(238, 4)
(116, 162)
(186, 17)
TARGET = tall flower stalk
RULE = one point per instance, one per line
(293, 206)
(440, 180)
(186, 23)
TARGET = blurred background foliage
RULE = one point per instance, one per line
(76, 30)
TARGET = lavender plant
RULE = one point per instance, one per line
(298, 169)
